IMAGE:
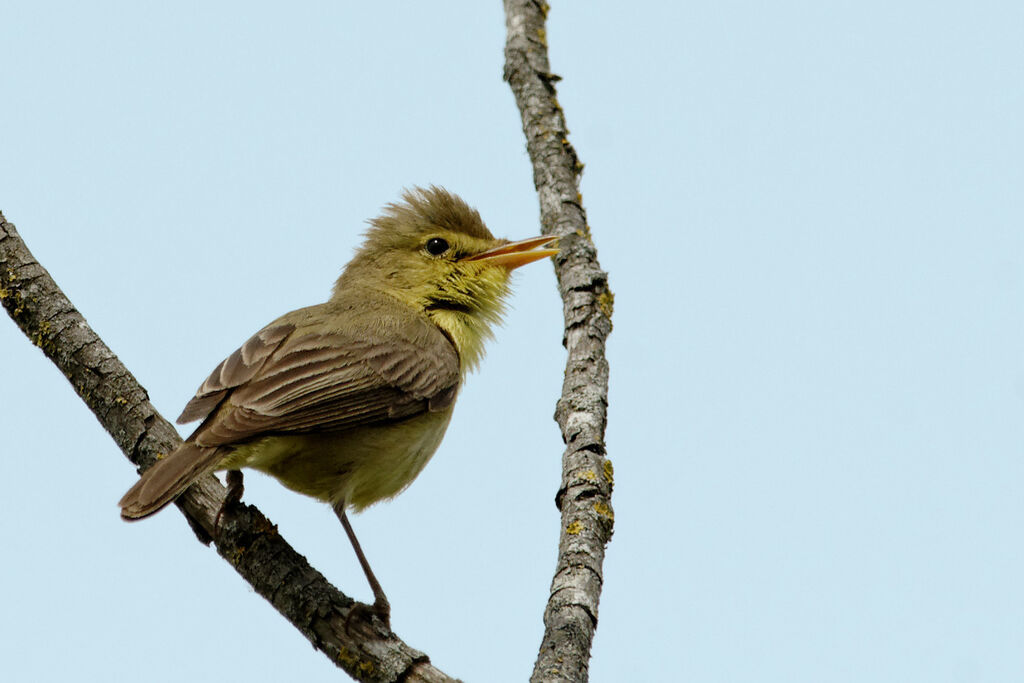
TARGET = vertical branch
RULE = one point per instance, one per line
(584, 497)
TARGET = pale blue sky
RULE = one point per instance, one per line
(811, 215)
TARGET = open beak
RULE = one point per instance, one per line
(515, 254)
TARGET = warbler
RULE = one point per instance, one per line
(347, 400)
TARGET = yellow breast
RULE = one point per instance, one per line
(358, 467)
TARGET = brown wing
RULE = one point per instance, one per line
(235, 370)
(168, 477)
(292, 377)
(302, 380)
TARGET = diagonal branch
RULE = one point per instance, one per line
(248, 541)
(585, 494)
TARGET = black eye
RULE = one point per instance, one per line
(437, 246)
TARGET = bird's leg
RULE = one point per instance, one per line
(381, 607)
(233, 497)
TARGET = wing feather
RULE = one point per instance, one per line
(235, 370)
(298, 379)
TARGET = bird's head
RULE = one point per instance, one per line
(432, 252)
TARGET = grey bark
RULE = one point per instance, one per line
(247, 540)
(584, 497)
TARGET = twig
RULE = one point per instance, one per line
(584, 498)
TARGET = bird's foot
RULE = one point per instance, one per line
(234, 496)
(361, 612)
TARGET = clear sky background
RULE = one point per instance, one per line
(812, 217)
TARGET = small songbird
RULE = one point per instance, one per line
(346, 401)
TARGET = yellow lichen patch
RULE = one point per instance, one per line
(41, 337)
(351, 660)
(235, 556)
(609, 472)
(585, 232)
(574, 528)
(604, 511)
(589, 475)
(120, 400)
(606, 302)
(18, 299)
(346, 657)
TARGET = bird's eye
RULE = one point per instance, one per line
(437, 246)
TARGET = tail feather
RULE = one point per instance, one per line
(168, 478)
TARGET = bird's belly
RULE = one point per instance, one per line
(358, 466)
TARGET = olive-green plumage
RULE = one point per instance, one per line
(346, 401)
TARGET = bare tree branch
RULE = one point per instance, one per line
(585, 494)
(251, 543)
(248, 540)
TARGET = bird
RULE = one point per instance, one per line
(346, 401)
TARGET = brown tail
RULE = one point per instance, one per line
(168, 478)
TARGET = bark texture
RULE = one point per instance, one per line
(247, 540)
(584, 497)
